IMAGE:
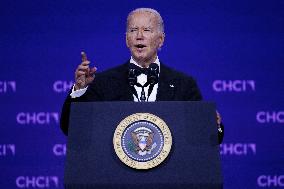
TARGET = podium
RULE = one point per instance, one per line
(193, 162)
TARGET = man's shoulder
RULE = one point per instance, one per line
(174, 74)
(112, 78)
(113, 72)
(122, 71)
(186, 85)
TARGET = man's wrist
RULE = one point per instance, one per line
(76, 87)
(77, 92)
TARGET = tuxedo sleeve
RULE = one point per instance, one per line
(65, 112)
(192, 92)
(92, 94)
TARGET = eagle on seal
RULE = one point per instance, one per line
(143, 140)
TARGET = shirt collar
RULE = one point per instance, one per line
(134, 62)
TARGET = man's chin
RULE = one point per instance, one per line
(140, 58)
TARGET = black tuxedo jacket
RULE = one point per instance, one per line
(112, 85)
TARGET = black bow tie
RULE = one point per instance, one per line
(138, 70)
(153, 69)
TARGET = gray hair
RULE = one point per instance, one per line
(153, 11)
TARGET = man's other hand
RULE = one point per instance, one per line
(219, 118)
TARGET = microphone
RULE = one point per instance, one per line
(132, 80)
(152, 77)
(132, 77)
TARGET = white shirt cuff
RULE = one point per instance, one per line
(78, 93)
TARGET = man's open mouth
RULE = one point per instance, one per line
(140, 46)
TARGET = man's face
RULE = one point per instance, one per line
(143, 37)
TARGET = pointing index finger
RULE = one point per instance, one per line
(84, 56)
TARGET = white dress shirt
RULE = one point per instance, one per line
(142, 79)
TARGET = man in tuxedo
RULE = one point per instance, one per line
(130, 81)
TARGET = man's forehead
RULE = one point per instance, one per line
(145, 16)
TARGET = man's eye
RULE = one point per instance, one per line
(133, 30)
(147, 29)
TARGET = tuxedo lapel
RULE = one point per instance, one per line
(124, 93)
(166, 85)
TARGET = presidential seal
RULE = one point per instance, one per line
(142, 141)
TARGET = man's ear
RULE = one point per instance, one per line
(126, 40)
(162, 39)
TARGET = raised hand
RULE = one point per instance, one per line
(83, 74)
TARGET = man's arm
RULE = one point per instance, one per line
(65, 112)
(194, 94)
(83, 77)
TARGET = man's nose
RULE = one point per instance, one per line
(139, 35)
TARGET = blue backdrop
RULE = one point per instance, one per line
(234, 49)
